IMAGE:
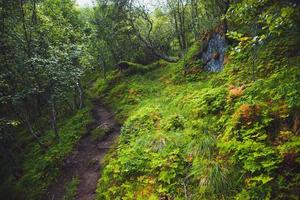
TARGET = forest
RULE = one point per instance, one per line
(150, 100)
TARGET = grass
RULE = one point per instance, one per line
(160, 121)
(71, 189)
(190, 136)
(41, 168)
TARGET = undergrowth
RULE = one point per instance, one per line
(202, 135)
(41, 168)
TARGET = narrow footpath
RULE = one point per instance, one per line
(86, 158)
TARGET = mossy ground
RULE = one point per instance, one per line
(204, 135)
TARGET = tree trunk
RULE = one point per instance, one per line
(34, 16)
(75, 99)
(103, 63)
(227, 4)
(26, 35)
(34, 135)
(80, 94)
(147, 40)
(181, 14)
(70, 106)
(54, 121)
(26, 121)
(195, 19)
(157, 53)
(177, 30)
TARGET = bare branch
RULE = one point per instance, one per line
(135, 14)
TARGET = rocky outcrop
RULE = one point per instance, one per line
(214, 47)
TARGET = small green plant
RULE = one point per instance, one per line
(100, 132)
(71, 189)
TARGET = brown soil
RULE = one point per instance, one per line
(85, 161)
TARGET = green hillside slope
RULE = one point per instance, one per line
(207, 135)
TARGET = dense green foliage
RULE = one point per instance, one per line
(233, 134)
(41, 168)
(41, 64)
(187, 132)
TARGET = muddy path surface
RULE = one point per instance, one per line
(84, 162)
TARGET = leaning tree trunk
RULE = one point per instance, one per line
(155, 51)
(33, 133)
(27, 123)
(146, 41)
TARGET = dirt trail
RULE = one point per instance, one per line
(85, 160)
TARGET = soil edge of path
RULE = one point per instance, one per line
(84, 162)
